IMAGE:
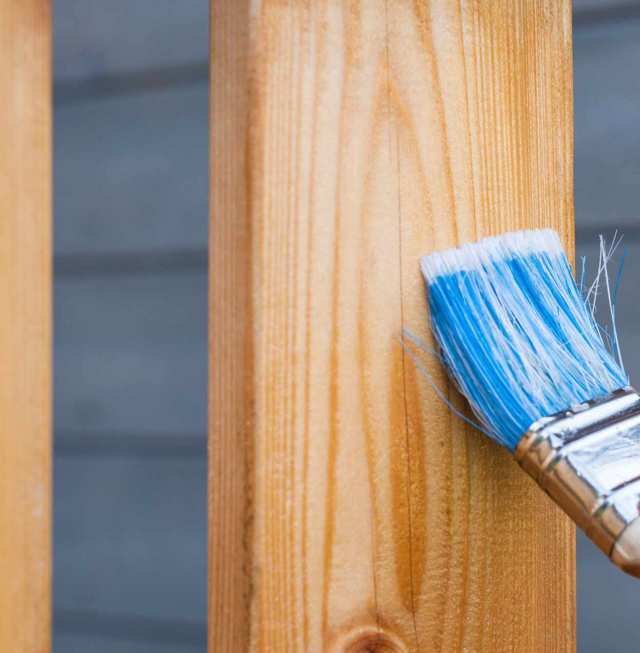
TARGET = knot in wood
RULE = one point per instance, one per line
(369, 640)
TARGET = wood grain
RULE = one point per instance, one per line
(25, 331)
(349, 510)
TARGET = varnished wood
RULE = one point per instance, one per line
(349, 510)
(25, 331)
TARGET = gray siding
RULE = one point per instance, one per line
(131, 187)
(121, 37)
(131, 353)
(132, 172)
(607, 113)
(130, 536)
(607, 194)
(137, 643)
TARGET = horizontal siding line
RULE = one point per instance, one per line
(129, 83)
(196, 259)
(600, 15)
(127, 263)
(589, 235)
(86, 443)
(130, 627)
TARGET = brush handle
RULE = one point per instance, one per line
(587, 459)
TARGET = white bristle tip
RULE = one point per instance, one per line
(495, 248)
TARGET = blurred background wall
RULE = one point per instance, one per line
(131, 186)
(606, 50)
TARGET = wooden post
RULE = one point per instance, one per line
(25, 329)
(349, 510)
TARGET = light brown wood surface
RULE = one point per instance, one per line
(25, 325)
(349, 510)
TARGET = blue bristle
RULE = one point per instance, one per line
(516, 334)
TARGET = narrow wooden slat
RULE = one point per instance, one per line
(349, 510)
(25, 332)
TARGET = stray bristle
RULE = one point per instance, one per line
(515, 332)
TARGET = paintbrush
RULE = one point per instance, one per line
(521, 342)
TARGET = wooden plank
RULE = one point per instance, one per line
(25, 334)
(349, 510)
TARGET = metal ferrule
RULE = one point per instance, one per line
(587, 459)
